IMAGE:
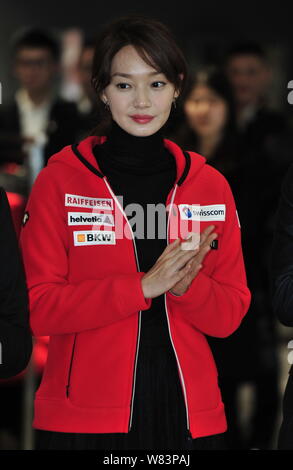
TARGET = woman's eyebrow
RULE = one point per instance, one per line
(129, 75)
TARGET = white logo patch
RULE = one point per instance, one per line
(202, 213)
(94, 237)
(90, 218)
(83, 201)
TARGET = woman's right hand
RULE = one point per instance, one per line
(168, 270)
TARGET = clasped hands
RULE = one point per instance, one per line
(177, 266)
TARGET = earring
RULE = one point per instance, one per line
(107, 107)
(174, 103)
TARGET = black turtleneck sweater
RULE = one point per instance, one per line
(142, 171)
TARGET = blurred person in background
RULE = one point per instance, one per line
(87, 103)
(266, 135)
(282, 292)
(15, 335)
(44, 121)
(250, 73)
(208, 125)
(265, 132)
(250, 354)
(34, 126)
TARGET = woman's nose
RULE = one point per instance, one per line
(142, 99)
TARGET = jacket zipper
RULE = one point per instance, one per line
(139, 315)
(70, 367)
(166, 309)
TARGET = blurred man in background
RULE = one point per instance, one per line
(264, 141)
(34, 126)
(250, 74)
(37, 114)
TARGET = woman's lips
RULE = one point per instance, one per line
(142, 119)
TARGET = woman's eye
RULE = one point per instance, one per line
(122, 86)
(158, 84)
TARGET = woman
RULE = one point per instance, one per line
(208, 124)
(128, 363)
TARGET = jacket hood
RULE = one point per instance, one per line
(81, 157)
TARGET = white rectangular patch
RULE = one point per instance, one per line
(94, 237)
(202, 213)
(90, 218)
(75, 200)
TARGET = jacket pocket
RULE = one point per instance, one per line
(101, 368)
(70, 366)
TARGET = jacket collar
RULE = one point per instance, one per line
(83, 151)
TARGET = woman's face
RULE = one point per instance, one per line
(139, 96)
(206, 111)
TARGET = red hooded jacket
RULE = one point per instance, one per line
(85, 292)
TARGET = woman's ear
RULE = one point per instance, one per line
(103, 98)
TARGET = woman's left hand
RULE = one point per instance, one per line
(195, 265)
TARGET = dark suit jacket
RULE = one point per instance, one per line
(15, 335)
(63, 126)
(265, 125)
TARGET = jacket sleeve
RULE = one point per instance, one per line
(281, 259)
(216, 304)
(15, 335)
(56, 305)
